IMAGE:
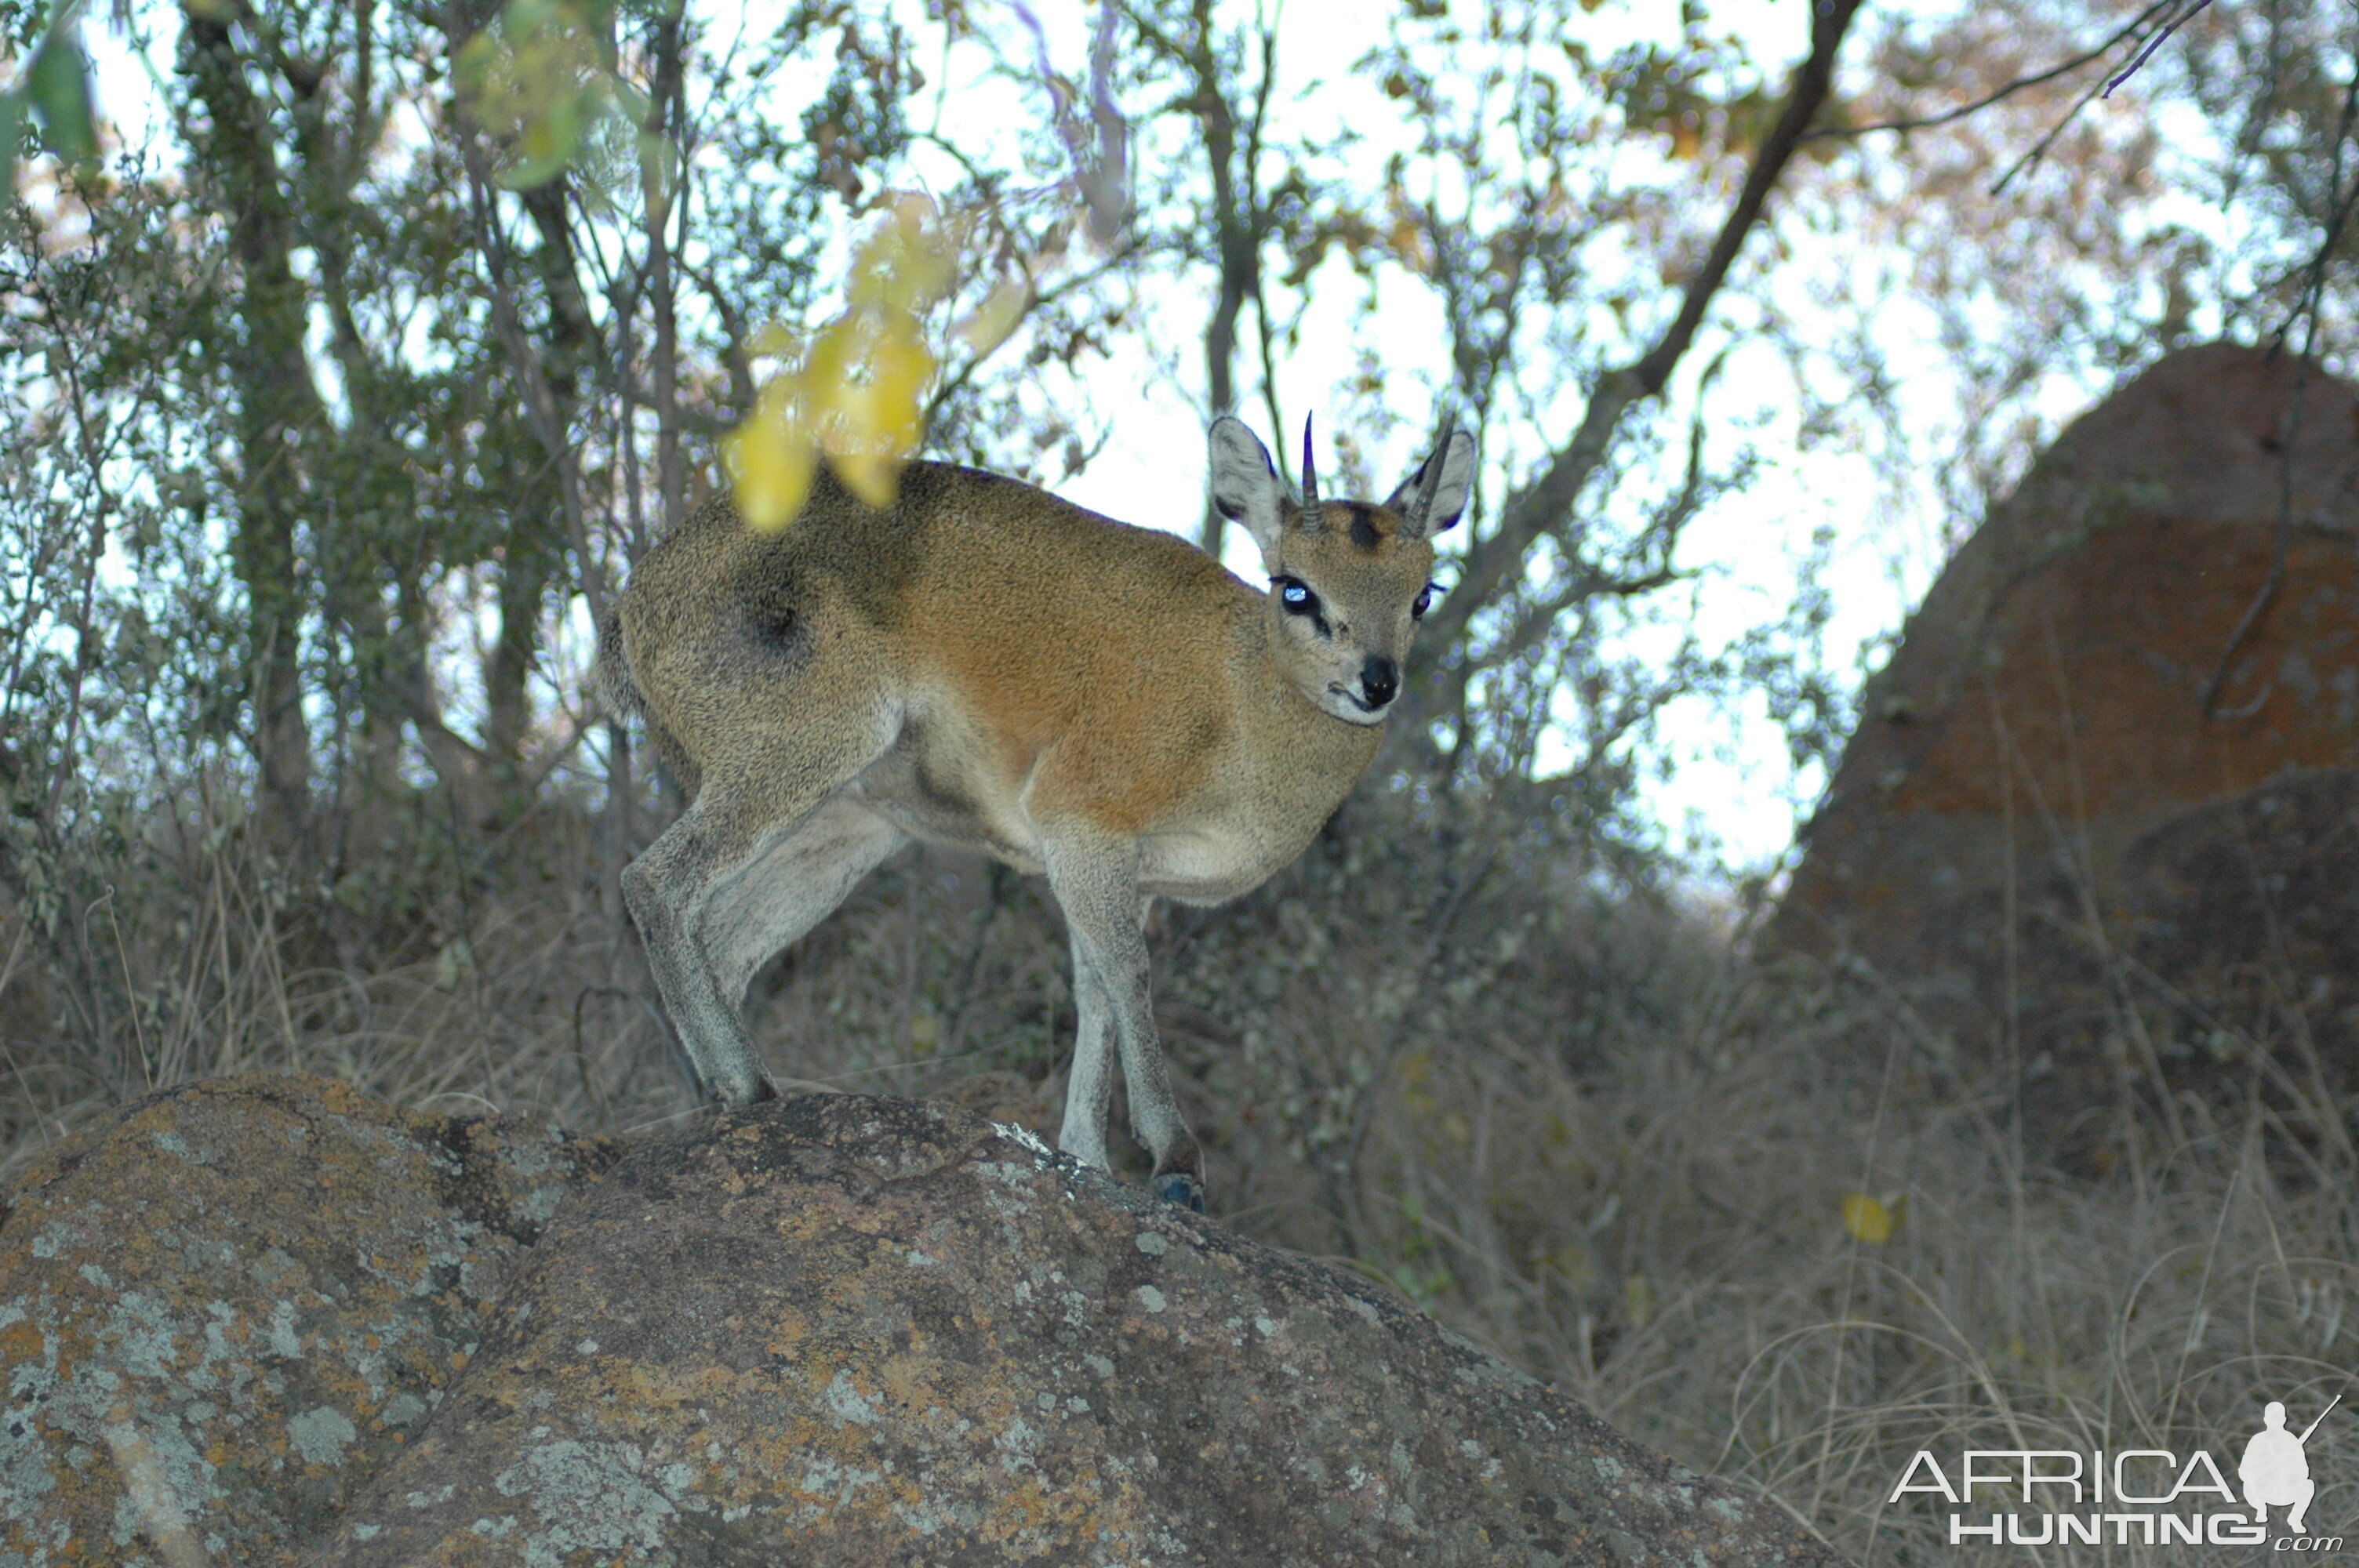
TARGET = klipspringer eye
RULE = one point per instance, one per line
(1296, 597)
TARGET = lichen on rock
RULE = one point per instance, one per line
(224, 1310)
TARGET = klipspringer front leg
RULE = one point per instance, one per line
(1091, 1084)
(1146, 1073)
(1097, 884)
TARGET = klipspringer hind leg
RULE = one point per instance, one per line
(1096, 884)
(666, 888)
(706, 858)
(797, 879)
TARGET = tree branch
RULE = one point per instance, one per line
(548, 419)
(1545, 503)
(1950, 116)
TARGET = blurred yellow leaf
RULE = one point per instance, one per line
(863, 384)
(771, 458)
(859, 395)
(1872, 1220)
(774, 342)
(1639, 1301)
(908, 262)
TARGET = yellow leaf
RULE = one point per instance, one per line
(1639, 1301)
(875, 478)
(828, 368)
(898, 368)
(774, 342)
(909, 261)
(771, 457)
(867, 379)
(859, 395)
(1872, 1220)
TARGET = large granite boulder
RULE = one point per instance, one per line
(828, 1331)
(2043, 831)
(852, 1331)
(226, 1309)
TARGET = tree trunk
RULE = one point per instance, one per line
(534, 548)
(1237, 240)
(278, 406)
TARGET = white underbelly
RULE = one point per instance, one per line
(1206, 865)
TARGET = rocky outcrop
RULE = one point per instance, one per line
(2041, 823)
(224, 1311)
(828, 1331)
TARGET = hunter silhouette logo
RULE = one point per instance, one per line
(2275, 1470)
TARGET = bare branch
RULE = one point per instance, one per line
(2155, 43)
(2033, 159)
(1950, 116)
(2308, 304)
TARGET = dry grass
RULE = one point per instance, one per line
(1572, 1124)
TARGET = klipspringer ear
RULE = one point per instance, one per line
(1430, 503)
(1246, 486)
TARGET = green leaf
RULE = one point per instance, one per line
(12, 135)
(58, 82)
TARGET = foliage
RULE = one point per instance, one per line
(2021, 240)
(48, 107)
